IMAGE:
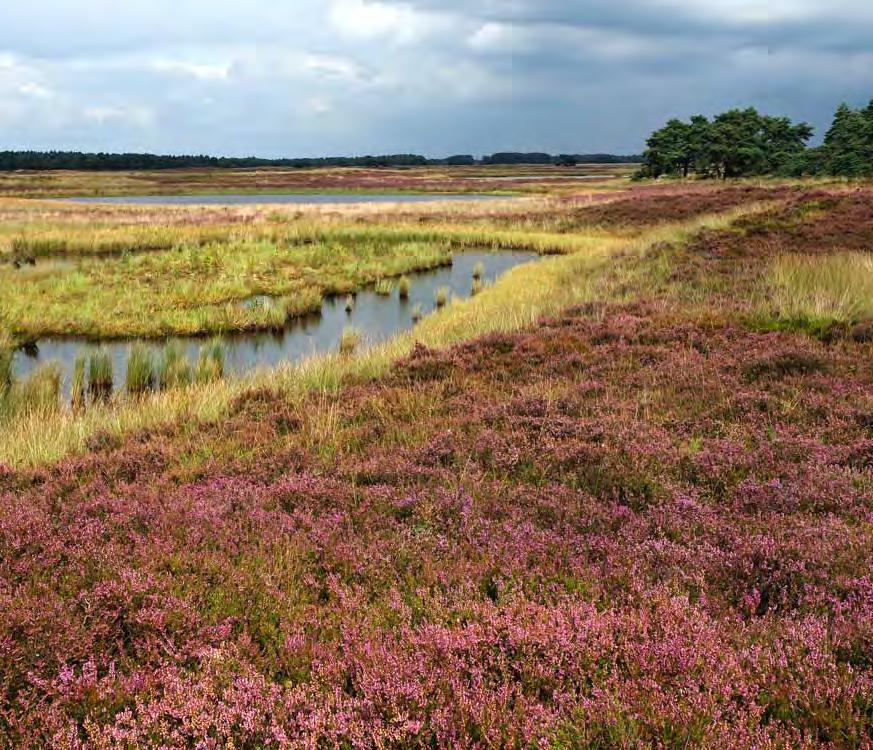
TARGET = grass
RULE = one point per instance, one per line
(836, 287)
(141, 375)
(173, 369)
(36, 397)
(349, 341)
(100, 375)
(404, 286)
(442, 296)
(515, 300)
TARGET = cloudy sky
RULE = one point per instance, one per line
(319, 77)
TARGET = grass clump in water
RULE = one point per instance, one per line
(100, 375)
(479, 270)
(79, 386)
(174, 370)
(442, 296)
(384, 287)
(417, 312)
(404, 286)
(141, 376)
(350, 303)
(210, 364)
(349, 341)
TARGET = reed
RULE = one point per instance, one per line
(384, 287)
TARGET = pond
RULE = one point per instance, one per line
(289, 198)
(376, 316)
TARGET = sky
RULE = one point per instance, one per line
(346, 77)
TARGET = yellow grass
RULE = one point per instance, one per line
(833, 287)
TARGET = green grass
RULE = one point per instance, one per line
(141, 373)
(514, 301)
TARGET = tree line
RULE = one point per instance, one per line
(76, 160)
(746, 143)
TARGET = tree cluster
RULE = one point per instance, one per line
(745, 143)
(848, 145)
(737, 143)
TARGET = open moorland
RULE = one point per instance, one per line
(619, 497)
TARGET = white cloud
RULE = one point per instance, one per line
(200, 71)
(129, 114)
(35, 90)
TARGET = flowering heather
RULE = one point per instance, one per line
(619, 529)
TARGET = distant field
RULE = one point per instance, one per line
(275, 180)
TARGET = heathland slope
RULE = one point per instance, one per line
(641, 521)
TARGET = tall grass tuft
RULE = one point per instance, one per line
(210, 363)
(349, 341)
(79, 386)
(100, 375)
(477, 287)
(417, 312)
(404, 286)
(384, 287)
(141, 375)
(479, 270)
(39, 393)
(442, 296)
(174, 370)
(350, 303)
(5, 368)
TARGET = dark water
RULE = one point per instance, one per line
(376, 317)
(292, 198)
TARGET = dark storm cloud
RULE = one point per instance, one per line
(352, 76)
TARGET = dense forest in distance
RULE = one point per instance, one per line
(76, 160)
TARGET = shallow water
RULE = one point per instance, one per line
(376, 317)
(291, 198)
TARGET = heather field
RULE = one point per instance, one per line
(620, 498)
